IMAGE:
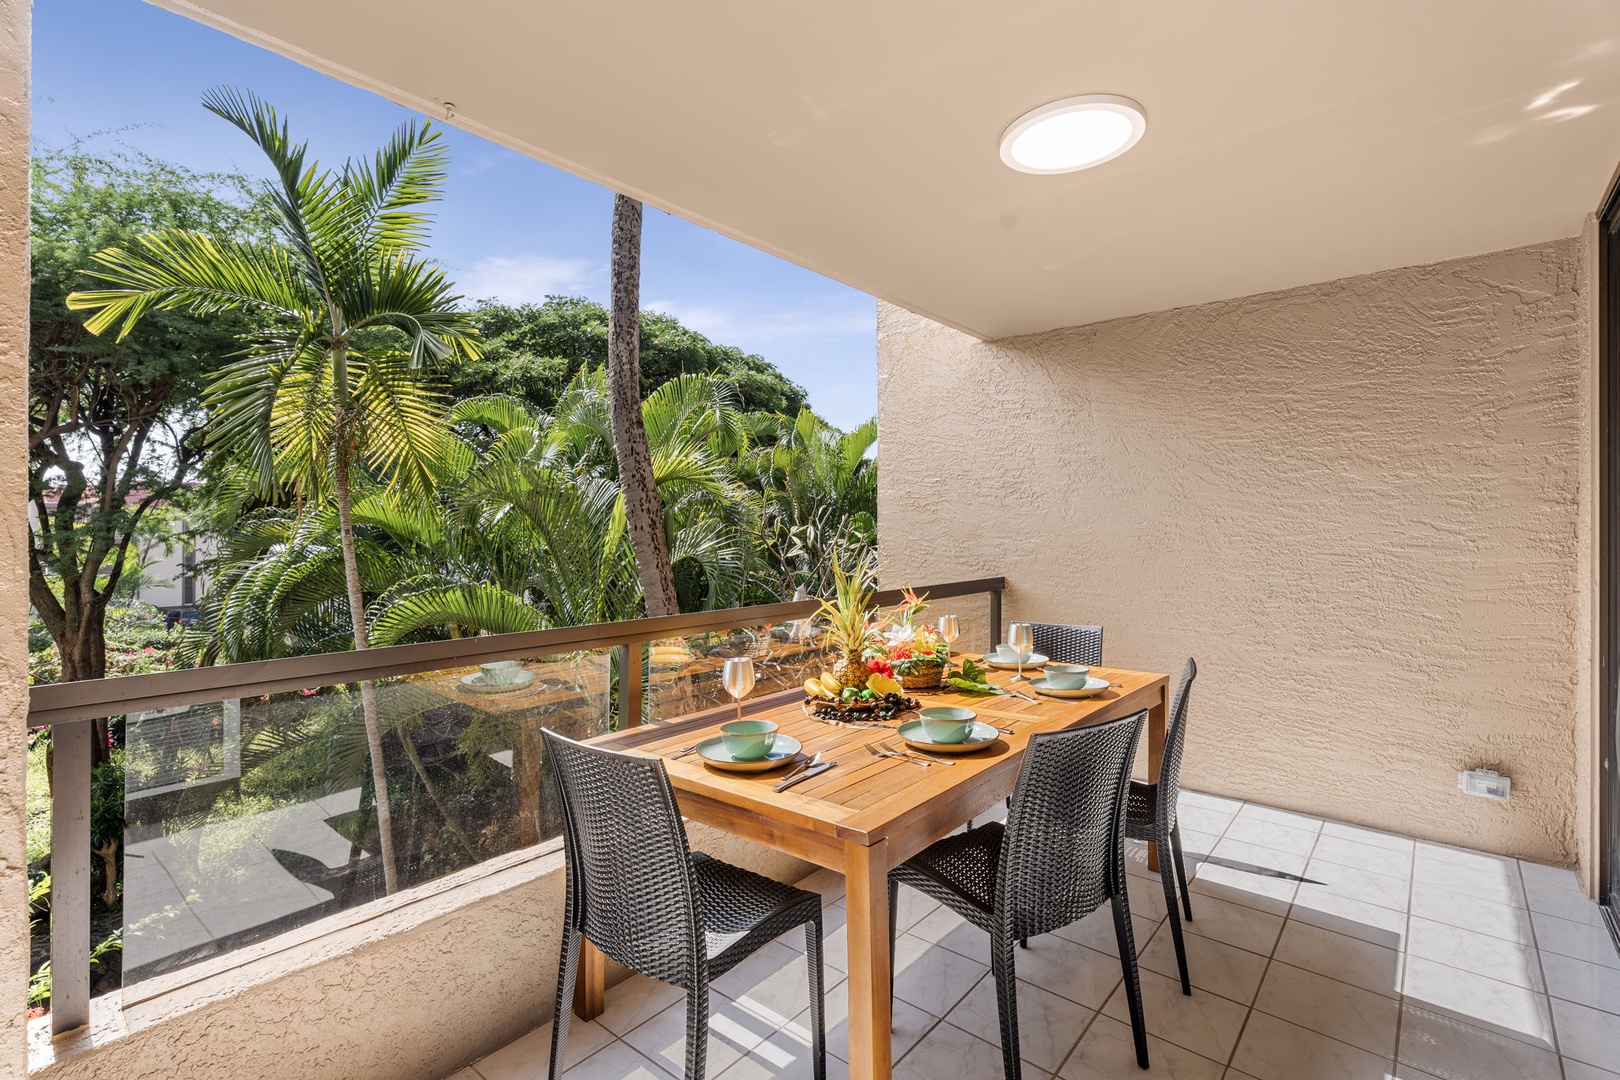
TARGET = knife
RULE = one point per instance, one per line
(807, 774)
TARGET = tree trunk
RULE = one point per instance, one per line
(642, 510)
(82, 649)
(368, 690)
(644, 513)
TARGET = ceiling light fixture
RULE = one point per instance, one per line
(1073, 134)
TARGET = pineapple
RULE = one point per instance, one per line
(851, 626)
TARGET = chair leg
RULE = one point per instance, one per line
(1133, 982)
(567, 971)
(1181, 871)
(818, 1022)
(894, 926)
(1168, 879)
(1001, 964)
(697, 1028)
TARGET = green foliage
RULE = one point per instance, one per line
(534, 351)
(113, 424)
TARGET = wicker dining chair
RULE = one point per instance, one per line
(1150, 814)
(1059, 857)
(1068, 644)
(639, 893)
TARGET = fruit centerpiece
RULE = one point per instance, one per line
(861, 685)
(913, 652)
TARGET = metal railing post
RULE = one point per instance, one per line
(70, 876)
(995, 618)
(630, 684)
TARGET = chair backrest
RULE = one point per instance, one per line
(630, 881)
(1063, 852)
(1068, 644)
(1175, 736)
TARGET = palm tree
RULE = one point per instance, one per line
(330, 394)
(818, 488)
(642, 511)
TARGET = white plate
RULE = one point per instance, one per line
(980, 737)
(480, 685)
(1093, 687)
(713, 752)
(1035, 660)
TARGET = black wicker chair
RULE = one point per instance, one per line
(1150, 814)
(1068, 644)
(642, 896)
(1060, 856)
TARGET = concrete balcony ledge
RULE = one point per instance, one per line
(407, 988)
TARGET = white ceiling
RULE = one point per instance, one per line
(1288, 142)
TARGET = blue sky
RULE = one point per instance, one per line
(510, 227)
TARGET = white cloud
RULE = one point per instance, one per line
(518, 279)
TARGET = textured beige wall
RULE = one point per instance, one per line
(1357, 503)
(14, 56)
(410, 995)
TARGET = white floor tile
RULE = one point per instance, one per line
(1490, 878)
(1390, 862)
(949, 1053)
(1355, 882)
(1592, 985)
(635, 1001)
(1471, 912)
(1356, 918)
(1274, 1049)
(616, 1061)
(1578, 939)
(1108, 1052)
(529, 1057)
(1585, 1034)
(908, 1024)
(1246, 927)
(733, 1032)
(1212, 965)
(1492, 957)
(1048, 1026)
(933, 979)
(1237, 885)
(1473, 999)
(1259, 857)
(1072, 971)
(1328, 1007)
(1204, 1023)
(1096, 931)
(1339, 956)
(1289, 818)
(1370, 837)
(1448, 1047)
(1579, 1070)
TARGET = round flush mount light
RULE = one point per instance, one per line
(1073, 134)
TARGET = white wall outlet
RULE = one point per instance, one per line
(1487, 783)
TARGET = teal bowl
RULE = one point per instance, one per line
(947, 723)
(748, 740)
(1067, 676)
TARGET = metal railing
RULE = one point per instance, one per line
(69, 708)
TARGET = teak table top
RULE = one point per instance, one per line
(867, 798)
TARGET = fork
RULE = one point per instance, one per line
(804, 766)
(907, 752)
(873, 749)
(683, 751)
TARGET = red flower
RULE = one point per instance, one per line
(880, 667)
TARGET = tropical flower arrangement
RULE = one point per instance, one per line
(912, 652)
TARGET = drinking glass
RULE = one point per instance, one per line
(1021, 636)
(738, 678)
(950, 630)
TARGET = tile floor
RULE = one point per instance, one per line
(1318, 950)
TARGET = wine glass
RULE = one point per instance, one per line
(738, 678)
(1021, 636)
(949, 630)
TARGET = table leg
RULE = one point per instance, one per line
(590, 986)
(866, 887)
(1158, 719)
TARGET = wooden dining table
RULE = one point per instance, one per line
(869, 814)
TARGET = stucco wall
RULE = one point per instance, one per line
(14, 55)
(413, 994)
(1357, 503)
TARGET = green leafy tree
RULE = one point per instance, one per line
(332, 395)
(533, 351)
(114, 430)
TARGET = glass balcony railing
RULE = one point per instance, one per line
(251, 804)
